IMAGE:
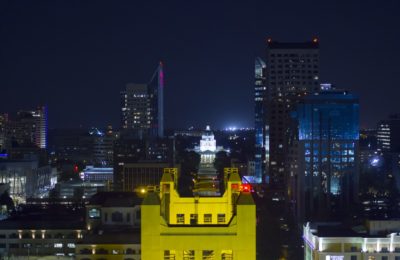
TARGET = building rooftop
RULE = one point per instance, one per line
(151, 199)
(372, 228)
(115, 199)
(293, 45)
(53, 218)
(115, 236)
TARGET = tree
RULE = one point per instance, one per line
(222, 160)
(189, 167)
(6, 200)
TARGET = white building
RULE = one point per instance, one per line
(377, 240)
(208, 147)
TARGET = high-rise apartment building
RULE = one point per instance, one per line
(142, 107)
(3, 125)
(323, 155)
(28, 128)
(261, 129)
(292, 69)
(388, 134)
(103, 146)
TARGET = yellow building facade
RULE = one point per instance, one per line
(174, 227)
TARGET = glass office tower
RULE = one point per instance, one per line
(323, 154)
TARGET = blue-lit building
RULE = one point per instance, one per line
(324, 154)
(260, 156)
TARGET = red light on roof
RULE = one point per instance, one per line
(235, 186)
(315, 40)
(76, 169)
(269, 40)
(246, 187)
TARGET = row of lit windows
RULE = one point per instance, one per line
(205, 255)
(332, 152)
(42, 235)
(29, 245)
(207, 218)
(102, 251)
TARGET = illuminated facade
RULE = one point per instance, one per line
(175, 227)
(379, 240)
(292, 69)
(324, 154)
(261, 156)
(29, 127)
(26, 178)
(142, 107)
(208, 147)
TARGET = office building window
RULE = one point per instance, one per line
(180, 218)
(226, 255)
(221, 218)
(208, 255)
(94, 213)
(169, 255)
(188, 255)
(353, 257)
(193, 219)
(385, 257)
(207, 218)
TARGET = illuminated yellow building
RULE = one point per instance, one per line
(195, 228)
(377, 240)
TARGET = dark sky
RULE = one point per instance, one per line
(76, 56)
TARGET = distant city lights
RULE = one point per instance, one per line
(235, 128)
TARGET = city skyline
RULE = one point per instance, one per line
(121, 43)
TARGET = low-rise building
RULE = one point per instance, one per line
(113, 225)
(41, 234)
(102, 174)
(377, 240)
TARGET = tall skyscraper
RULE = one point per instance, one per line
(143, 107)
(262, 136)
(323, 155)
(3, 125)
(292, 69)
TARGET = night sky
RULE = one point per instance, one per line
(76, 56)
